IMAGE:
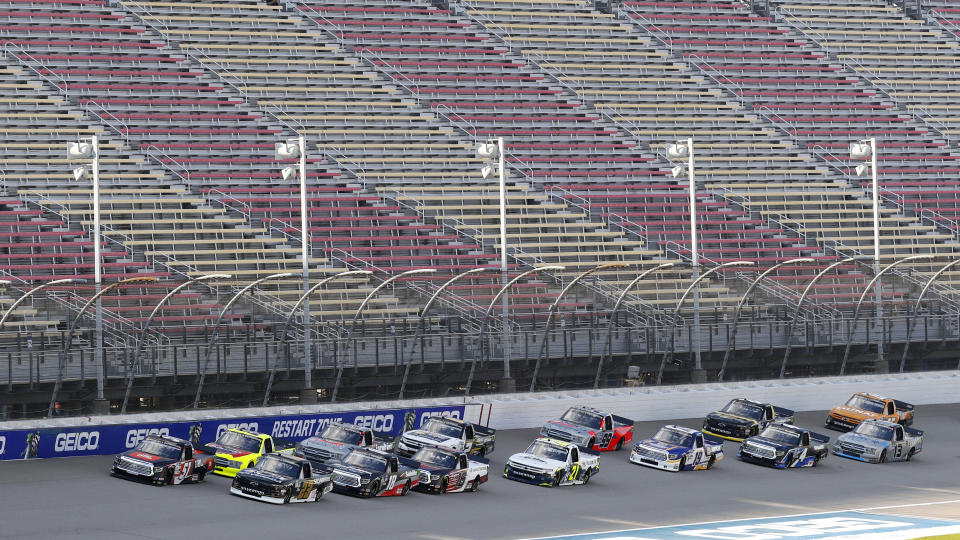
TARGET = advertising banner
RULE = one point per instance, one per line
(114, 439)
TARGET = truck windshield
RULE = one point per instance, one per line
(747, 410)
(675, 437)
(278, 466)
(582, 418)
(866, 404)
(781, 435)
(547, 451)
(871, 429)
(159, 448)
(438, 458)
(366, 461)
(341, 435)
(436, 425)
(239, 441)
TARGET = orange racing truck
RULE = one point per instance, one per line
(863, 406)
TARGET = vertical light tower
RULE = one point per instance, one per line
(492, 152)
(681, 153)
(293, 149)
(89, 149)
(866, 150)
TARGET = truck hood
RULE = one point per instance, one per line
(336, 448)
(658, 445)
(863, 440)
(853, 412)
(156, 461)
(430, 438)
(560, 425)
(771, 443)
(536, 462)
(728, 418)
(227, 451)
(365, 474)
(263, 477)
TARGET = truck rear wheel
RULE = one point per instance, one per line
(475, 485)
(586, 477)
(713, 459)
(557, 478)
(620, 443)
(406, 488)
(374, 489)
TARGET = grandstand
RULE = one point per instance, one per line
(188, 99)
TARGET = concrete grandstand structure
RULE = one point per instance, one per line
(188, 99)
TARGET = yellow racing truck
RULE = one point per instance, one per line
(237, 449)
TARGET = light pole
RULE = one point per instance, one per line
(867, 150)
(292, 149)
(486, 317)
(676, 310)
(681, 152)
(69, 337)
(796, 312)
(916, 308)
(607, 350)
(492, 151)
(732, 340)
(17, 302)
(89, 149)
(216, 328)
(286, 323)
(135, 362)
(356, 315)
(553, 310)
(856, 310)
(423, 314)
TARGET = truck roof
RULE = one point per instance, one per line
(880, 421)
(289, 458)
(589, 409)
(874, 396)
(348, 427)
(449, 420)
(168, 439)
(682, 429)
(555, 442)
(750, 401)
(789, 427)
(373, 452)
(260, 436)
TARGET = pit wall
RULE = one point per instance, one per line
(98, 435)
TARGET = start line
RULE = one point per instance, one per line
(848, 525)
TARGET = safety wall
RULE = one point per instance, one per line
(511, 411)
(62, 437)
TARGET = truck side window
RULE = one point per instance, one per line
(608, 423)
(393, 465)
(468, 432)
(574, 455)
(699, 443)
(305, 472)
(899, 433)
(463, 462)
(368, 438)
(890, 407)
(805, 440)
(267, 446)
(768, 415)
(187, 452)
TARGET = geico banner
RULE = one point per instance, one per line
(114, 439)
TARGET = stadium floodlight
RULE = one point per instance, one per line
(676, 171)
(216, 327)
(678, 151)
(487, 171)
(553, 310)
(856, 310)
(862, 168)
(608, 346)
(676, 311)
(296, 148)
(732, 340)
(135, 361)
(80, 173)
(80, 150)
(489, 150)
(861, 150)
(423, 314)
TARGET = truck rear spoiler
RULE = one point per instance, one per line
(820, 438)
(780, 411)
(903, 406)
(912, 432)
(479, 430)
(621, 421)
(709, 439)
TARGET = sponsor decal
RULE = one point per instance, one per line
(3, 444)
(377, 422)
(297, 429)
(243, 426)
(424, 416)
(135, 436)
(77, 441)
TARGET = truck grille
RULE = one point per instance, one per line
(558, 434)
(525, 468)
(346, 479)
(649, 453)
(424, 477)
(133, 466)
(852, 449)
(316, 454)
(411, 444)
(220, 462)
(759, 450)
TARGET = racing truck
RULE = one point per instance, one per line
(447, 471)
(862, 406)
(371, 473)
(785, 446)
(676, 448)
(590, 428)
(337, 439)
(552, 463)
(877, 441)
(237, 449)
(452, 433)
(281, 478)
(163, 460)
(742, 418)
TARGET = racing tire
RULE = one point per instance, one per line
(374, 489)
(910, 454)
(482, 452)
(713, 459)
(287, 497)
(586, 477)
(620, 443)
(683, 463)
(167, 478)
(557, 478)
(406, 489)
(475, 485)
(444, 483)
(592, 443)
(201, 473)
(883, 457)
(816, 460)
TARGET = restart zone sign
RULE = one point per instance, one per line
(834, 525)
(115, 439)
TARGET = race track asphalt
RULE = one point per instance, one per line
(75, 498)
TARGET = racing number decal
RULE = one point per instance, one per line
(605, 439)
(574, 472)
(305, 489)
(181, 471)
(899, 451)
